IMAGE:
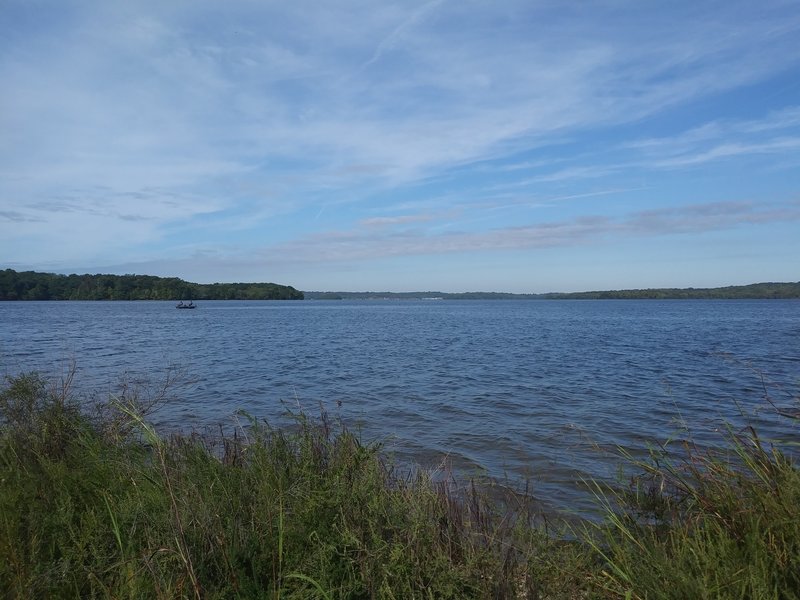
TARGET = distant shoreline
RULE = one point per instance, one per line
(755, 291)
(32, 285)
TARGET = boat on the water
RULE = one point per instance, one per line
(190, 304)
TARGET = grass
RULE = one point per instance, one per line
(723, 523)
(96, 504)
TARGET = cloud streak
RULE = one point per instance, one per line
(395, 220)
(367, 244)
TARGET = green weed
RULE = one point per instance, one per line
(94, 503)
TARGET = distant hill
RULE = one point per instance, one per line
(733, 292)
(30, 285)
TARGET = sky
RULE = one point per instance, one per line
(519, 146)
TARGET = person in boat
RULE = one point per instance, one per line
(180, 303)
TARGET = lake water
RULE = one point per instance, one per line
(538, 390)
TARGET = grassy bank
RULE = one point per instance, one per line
(96, 504)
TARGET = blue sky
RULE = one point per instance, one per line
(515, 146)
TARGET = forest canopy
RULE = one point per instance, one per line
(31, 285)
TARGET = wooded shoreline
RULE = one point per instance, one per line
(754, 291)
(32, 285)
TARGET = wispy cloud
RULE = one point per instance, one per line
(728, 150)
(394, 220)
(447, 98)
(777, 132)
(367, 244)
(408, 21)
(19, 217)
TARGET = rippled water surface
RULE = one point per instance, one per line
(529, 389)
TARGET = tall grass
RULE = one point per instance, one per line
(719, 523)
(92, 510)
(98, 505)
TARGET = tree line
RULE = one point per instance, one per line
(31, 285)
(754, 291)
(733, 292)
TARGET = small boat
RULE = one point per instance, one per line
(182, 305)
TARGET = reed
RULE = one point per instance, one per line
(93, 510)
(98, 505)
(718, 523)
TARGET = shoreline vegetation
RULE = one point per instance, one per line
(754, 291)
(94, 503)
(32, 285)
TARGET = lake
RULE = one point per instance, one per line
(531, 390)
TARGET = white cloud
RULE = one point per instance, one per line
(727, 150)
(368, 244)
(394, 220)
